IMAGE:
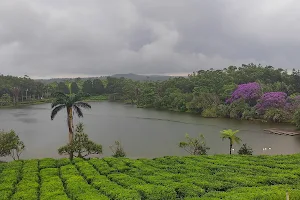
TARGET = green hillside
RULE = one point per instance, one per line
(202, 177)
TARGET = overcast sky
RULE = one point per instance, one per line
(69, 38)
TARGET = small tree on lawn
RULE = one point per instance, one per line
(81, 146)
(11, 145)
(194, 146)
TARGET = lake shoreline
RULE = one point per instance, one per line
(104, 98)
(22, 104)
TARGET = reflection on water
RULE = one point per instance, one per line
(28, 120)
(20, 114)
(143, 132)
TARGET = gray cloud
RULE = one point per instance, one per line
(98, 37)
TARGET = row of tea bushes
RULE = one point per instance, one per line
(171, 178)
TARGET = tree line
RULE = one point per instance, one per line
(248, 92)
(209, 93)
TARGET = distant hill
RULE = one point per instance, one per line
(135, 77)
(58, 80)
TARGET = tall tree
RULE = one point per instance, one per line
(231, 135)
(87, 87)
(98, 87)
(74, 88)
(62, 87)
(70, 102)
(15, 91)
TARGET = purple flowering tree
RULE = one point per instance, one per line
(272, 100)
(293, 103)
(250, 92)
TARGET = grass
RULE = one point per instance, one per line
(191, 178)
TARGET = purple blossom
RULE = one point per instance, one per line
(293, 103)
(248, 92)
(272, 100)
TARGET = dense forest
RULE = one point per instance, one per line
(246, 92)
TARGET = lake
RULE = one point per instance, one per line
(142, 132)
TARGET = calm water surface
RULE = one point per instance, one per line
(143, 132)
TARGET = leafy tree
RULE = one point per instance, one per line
(129, 90)
(74, 88)
(276, 115)
(63, 88)
(87, 87)
(11, 145)
(202, 101)
(231, 135)
(98, 87)
(194, 146)
(81, 146)
(5, 100)
(114, 85)
(249, 113)
(296, 118)
(39, 89)
(271, 100)
(245, 150)
(70, 102)
(118, 150)
(15, 91)
(238, 108)
(249, 92)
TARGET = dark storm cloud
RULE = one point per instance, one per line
(98, 37)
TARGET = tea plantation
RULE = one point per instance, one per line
(190, 178)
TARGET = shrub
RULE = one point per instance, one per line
(296, 118)
(237, 108)
(47, 163)
(249, 114)
(210, 112)
(81, 146)
(153, 192)
(118, 150)
(11, 145)
(77, 187)
(102, 166)
(194, 146)
(276, 115)
(245, 150)
(103, 184)
(223, 110)
(63, 162)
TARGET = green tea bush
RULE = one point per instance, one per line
(51, 185)
(28, 186)
(102, 166)
(47, 163)
(63, 162)
(10, 176)
(117, 163)
(103, 184)
(213, 177)
(77, 187)
(153, 192)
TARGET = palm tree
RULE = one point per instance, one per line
(231, 135)
(70, 102)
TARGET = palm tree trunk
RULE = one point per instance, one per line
(70, 126)
(230, 147)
